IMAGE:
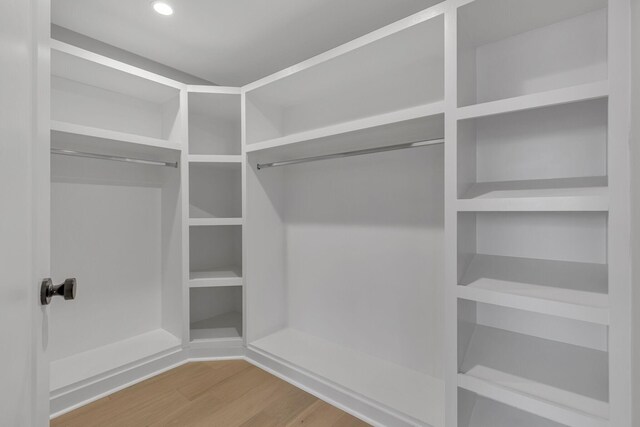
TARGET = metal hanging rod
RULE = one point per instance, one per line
(414, 144)
(114, 158)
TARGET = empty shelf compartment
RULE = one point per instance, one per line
(215, 313)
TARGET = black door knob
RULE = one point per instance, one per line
(48, 290)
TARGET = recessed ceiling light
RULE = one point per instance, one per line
(162, 8)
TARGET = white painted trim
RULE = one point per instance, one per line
(214, 158)
(368, 411)
(535, 204)
(112, 63)
(224, 90)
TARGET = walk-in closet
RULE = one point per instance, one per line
(411, 214)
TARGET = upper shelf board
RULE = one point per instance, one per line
(72, 63)
(537, 100)
(71, 136)
(360, 129)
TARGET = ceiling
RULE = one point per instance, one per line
(230, 42)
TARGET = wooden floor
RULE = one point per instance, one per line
(226, 393)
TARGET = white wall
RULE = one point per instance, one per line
(364, 244)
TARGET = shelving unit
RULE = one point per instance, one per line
(531, 289)
(215, 219)
(119, 211)
(483, 282)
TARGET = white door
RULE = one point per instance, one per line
(24, 211)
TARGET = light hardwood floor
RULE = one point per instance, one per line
(211, 394)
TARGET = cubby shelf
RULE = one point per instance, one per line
(536, 100)
(566, 289)
(562, 382)
(202, 222)
(221, 277)
(226, 326)
(212, 158)
(410, 392)
(104, 138)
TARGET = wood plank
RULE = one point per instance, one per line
(221, 393)
(284, 410)
(321, 414)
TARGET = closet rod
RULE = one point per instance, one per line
(414, 144)
(114, 158)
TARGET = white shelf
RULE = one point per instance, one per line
(200, 222)
(89, 364)
(559, 288)
(73, 63)
(489, 413)
(226, 326)
(352, 126)
(562, 382)
(537, 100)
(213, 158)
(566, 194)
(222, 277)
(410, 392)
(578, 305)
(104, 138)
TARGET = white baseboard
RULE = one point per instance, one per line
(358, 406)
(96, 388)
(92, 389)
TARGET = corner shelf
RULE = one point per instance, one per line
(204, 222)
(215, 313)
(214, 158)
(226, 326)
